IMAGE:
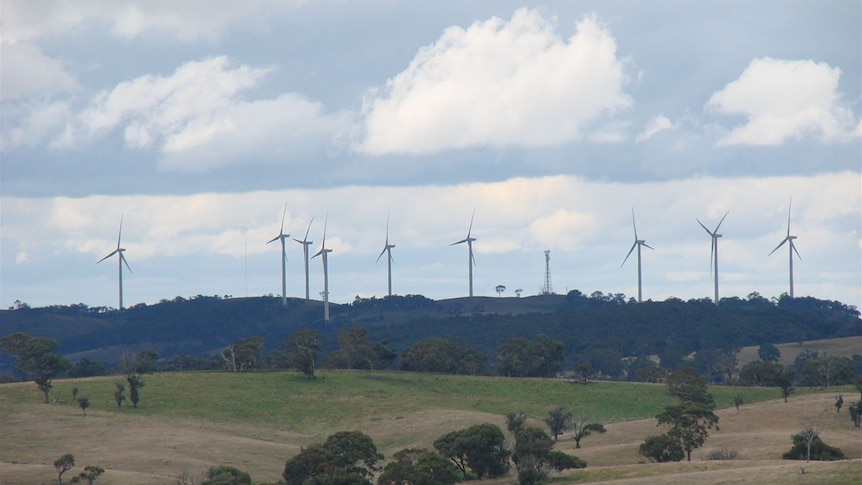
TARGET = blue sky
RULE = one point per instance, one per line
(197, 121)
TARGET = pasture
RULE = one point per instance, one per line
(256, 421)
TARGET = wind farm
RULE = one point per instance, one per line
(121, 259)
(471, 261)
(387, 249)
(305, 243)
(282, 237)
(323, 252)
(791, 248)
(637, 245)
(714, 236)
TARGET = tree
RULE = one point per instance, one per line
(87, 368)
(807, 445)
(36, 357)
(768, 353)
(785, 382)
(226, 475)
(346, 457)
(119, 394)
(558, 420)
(130, 369)
(687, 385)
(419, 467)
(84, 403)
(828, 371)
(689, 422)
(662, 448)
(541, 357)
(500, 289)
(856, 413)
(244, 353)
(90, 474)
(356, 350)
(839, 401)
(532, 446)
(583, 427)
(302, 346)
(435, 354)
(515, 422)
(480, 448)
(62, 465)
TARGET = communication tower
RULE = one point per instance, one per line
(547, 289)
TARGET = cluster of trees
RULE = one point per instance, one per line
(688, 422)
(67, 462)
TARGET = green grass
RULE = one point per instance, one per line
(289, 401)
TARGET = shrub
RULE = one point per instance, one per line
(820, 451)
(662, 448)
(720, 454)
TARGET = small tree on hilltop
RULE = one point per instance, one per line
(62, 465)
(133, 378)
(302, 346)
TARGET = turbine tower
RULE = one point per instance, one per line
(547, 289)
(471, 260)
(323, 252)
(791, 247)
(387, 248)
(121, 259)
(305, 243)
(713, 251)
(282, 236)
(638, 243)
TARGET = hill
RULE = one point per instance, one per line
(203, 325)
(255, 422)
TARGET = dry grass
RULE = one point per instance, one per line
(139, 449)
(841, 347)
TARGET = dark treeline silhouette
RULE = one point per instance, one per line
(592, 328)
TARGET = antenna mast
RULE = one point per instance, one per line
(547, 289)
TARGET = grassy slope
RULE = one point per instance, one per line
(256, 421)
(842, 347)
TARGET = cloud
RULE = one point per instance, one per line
(27, 71)
(185, 21)
(498, 83)
(657, 125)
(784, 100)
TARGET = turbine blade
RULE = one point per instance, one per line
(629, 254)
(120, 233)
(470, 229)
(284, 213)
(704, 227)
(108, 256)
(719, 222)
(634, 225)
(711, 254)
(123, 259)
(276, 238)
(793, 247)
(459, 242)
(647, 245)
(789, 207)
(781, 244)
(381, 254)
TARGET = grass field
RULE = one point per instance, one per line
(256, 421)
(841, 347)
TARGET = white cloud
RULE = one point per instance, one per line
(186, 20)
(40, 122)
(655, 126)
(784, 100)
(156, 107)
(27, 71)
(499, 83)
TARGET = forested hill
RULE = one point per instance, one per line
(596, 323)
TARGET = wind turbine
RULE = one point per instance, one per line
(388, 250)
(282, 236)
(305, 243)
(120, 260)
(323, 252)
(713, 251)
(638, 243)
(792, 247)
(471, 260)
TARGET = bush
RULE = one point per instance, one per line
(720, 454)
(820, 451)
(226, 475)
(662, 448)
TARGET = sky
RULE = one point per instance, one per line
(202, 123)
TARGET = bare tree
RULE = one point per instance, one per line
(809, 434)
